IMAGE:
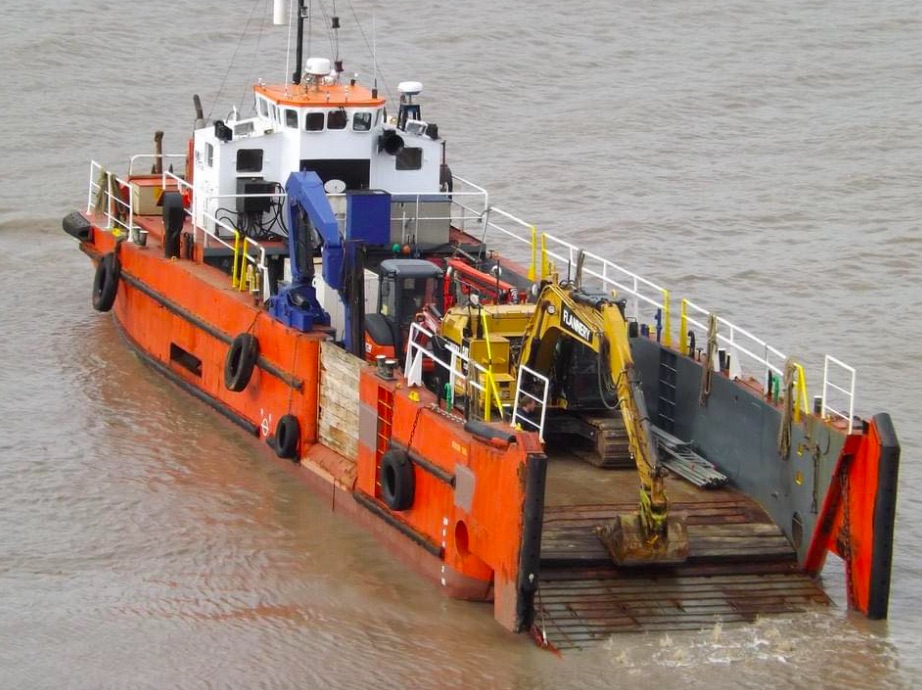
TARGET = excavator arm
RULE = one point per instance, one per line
(597, 322)
(654, 506)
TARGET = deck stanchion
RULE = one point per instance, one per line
(667, 328)
(532, 270)
(683, 327)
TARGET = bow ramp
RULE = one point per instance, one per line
(740, 566)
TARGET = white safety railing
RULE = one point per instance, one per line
(747, 352)
(845, 394)
(236, 241)
(737, 341)
(470, 211)
(532, 403)
(464, 207)
(106, 195)
(466, 375)
(113, 197)
(611, 276)
(167, 158)
(546, 249)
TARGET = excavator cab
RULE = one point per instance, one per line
(406, 287)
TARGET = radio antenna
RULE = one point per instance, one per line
(374, 50)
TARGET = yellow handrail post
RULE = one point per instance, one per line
(544, 267)
(533, 269)
(492, 389)
(683, 327)
(667, 327)
(800, 401)
(236, 251)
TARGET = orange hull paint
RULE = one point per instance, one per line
(472, 551)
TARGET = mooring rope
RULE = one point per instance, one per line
(709, 357)
(787, 409)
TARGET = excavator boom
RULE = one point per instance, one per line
(651, 535)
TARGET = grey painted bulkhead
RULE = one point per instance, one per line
(738, 431)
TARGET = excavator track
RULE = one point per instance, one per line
(612, 447)
(740, 567)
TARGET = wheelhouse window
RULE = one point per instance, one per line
(337, 119)
(241, 129)
(291, 118)
(209, 154)
(410, 159)
(314, 121)
(275, 113)
(263, 106)
(361, 121)
(250, 160)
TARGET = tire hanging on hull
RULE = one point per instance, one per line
(105, 282)
(240, 362)
(398, 481)
(287, 437)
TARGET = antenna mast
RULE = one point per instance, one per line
(374, 50)
(299, 58)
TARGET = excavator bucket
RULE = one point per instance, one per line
(629, 546)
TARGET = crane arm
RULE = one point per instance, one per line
(307, 201)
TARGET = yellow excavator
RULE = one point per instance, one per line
(579, 340)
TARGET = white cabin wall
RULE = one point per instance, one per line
(384, 173)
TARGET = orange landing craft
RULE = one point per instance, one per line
(295, 273)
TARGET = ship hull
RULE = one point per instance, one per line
(155, 318)
(498, 516)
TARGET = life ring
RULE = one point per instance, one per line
(287, 437)
(105, 282)
(398, 481)
(239, 362)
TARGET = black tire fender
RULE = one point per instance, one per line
(240, 361)
(398, 480)
(105, 282)
(287, 437)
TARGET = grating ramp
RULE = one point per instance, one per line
(740, 567)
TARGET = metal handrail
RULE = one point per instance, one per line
(240, 240)
(154, 156)
(738, 340)
(113, 221)
(456, 377)
(642, 291)
(827, 409)
(752, 342)
(517, 417)
(413, 370)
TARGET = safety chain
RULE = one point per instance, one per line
(845, 545)
(413, 430)
(445, 413)
(540, 630)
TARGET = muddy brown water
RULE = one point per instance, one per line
(762, 157)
